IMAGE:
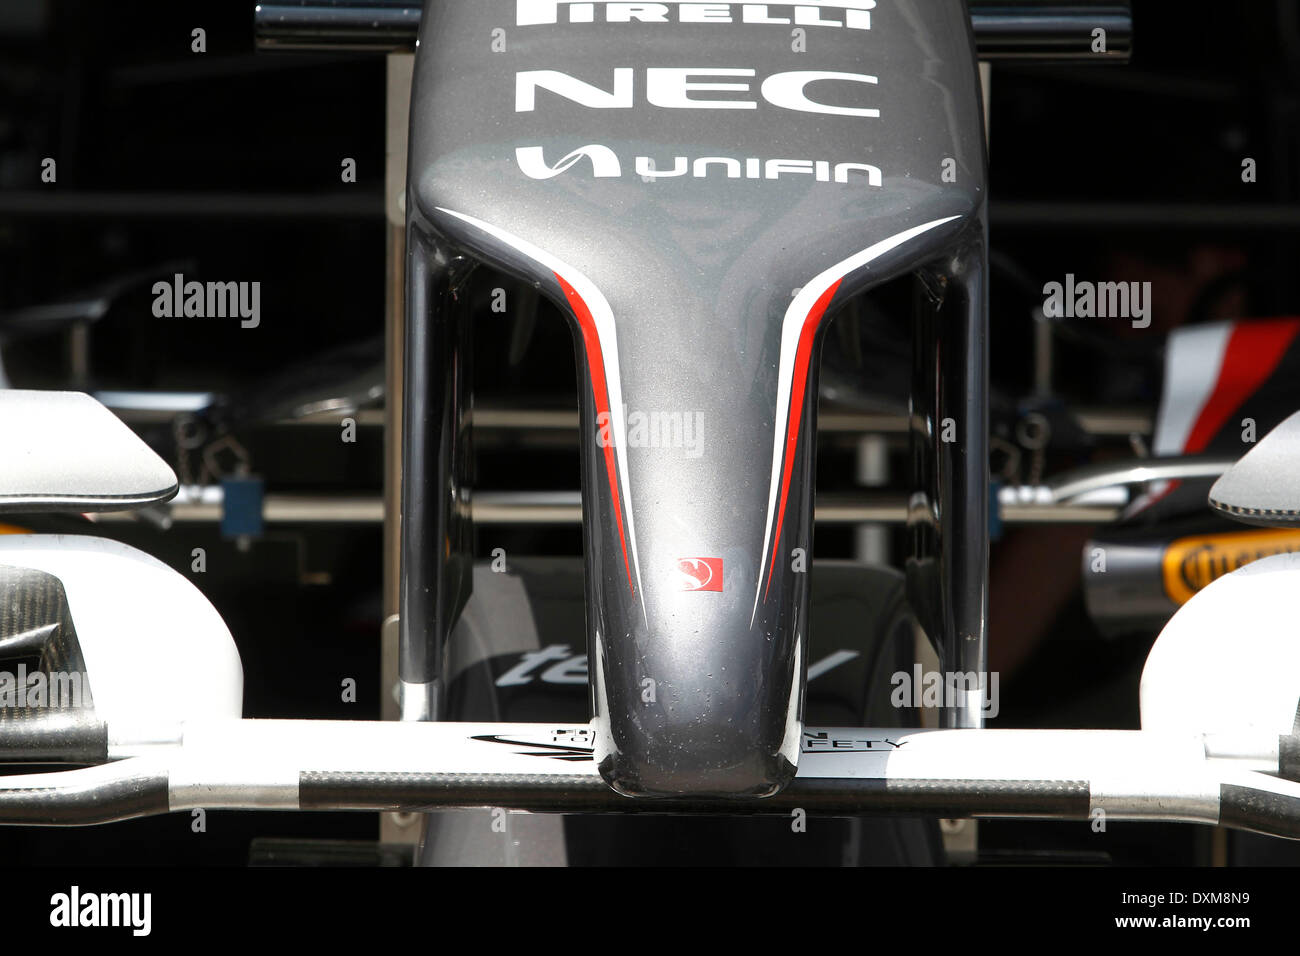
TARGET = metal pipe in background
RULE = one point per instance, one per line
(376, 26)
(145, 408)
(1093, 478)
(1060, 500)
(1052, 32)
(565, 507)
(871, 538)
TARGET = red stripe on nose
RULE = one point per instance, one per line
(596, 362)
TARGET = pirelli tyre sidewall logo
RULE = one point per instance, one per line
(1190, 564)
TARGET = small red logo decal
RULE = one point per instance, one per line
(700, 574)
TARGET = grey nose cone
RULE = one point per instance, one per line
(700, 733)
(699, 239)
(676, 765)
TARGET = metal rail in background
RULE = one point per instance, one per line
(150, 408)
(1046, 32)
(1063, 499)
(565, 508)
(1092, 478)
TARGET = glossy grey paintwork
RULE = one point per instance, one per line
(694, 691)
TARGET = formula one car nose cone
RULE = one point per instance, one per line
(698, 197)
